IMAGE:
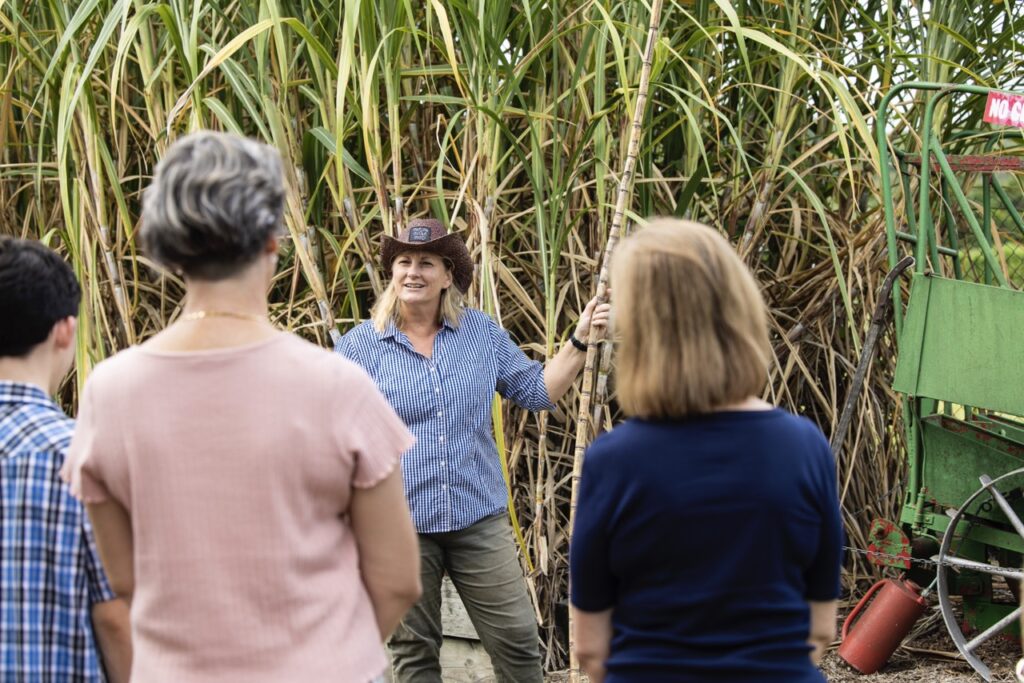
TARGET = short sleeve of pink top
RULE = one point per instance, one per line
(237, 466)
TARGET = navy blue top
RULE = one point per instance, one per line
(707, 537)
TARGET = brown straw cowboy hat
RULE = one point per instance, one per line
(429, 234)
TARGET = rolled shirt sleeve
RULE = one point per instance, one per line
(519, 379)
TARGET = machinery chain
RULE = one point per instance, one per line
(901, 558)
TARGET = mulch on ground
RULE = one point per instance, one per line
(929, 655)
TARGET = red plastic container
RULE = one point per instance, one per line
(885, 623)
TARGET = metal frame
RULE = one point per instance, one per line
(927, 374)
(927, 250)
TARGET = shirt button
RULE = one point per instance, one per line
(440, 413)
(442, 463)
(437, 390)
(433, 369)
(441, 438)
(444, 486)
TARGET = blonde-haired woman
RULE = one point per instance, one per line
(708, 539)
(439, 365)
(253, 542)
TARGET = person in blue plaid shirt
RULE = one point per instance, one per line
(59, 619)
(439, 365)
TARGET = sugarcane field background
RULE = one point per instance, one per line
(510, 121)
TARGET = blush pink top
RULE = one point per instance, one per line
(237, 466)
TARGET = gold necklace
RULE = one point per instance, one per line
(200, 315)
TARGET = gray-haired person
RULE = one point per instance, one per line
(243, 483)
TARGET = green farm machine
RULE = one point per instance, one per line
(960, 331)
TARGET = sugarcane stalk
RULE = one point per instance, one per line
(600, 397)
(351, 221)
(601, 386)
(116, 284)
(625, 185)
(303, 252)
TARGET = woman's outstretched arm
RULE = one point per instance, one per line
(561, 370)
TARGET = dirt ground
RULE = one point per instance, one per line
(929, 655)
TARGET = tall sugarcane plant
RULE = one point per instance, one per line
(512, 122)
(621, 203)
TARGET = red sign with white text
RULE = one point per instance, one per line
(1005, 109)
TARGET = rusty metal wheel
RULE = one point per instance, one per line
(990, 492)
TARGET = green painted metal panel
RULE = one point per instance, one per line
(961, 343)
(981, 614)
(956, 454)
(981, 535)
(1001, 426)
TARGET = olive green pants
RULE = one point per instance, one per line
(482, 564)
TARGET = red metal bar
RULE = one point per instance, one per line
(973, 163)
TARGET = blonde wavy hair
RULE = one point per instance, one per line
(691, 322)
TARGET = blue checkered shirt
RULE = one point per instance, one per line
(50, 572)
(452, 475)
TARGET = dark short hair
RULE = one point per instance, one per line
(215, 200)
(37, 289)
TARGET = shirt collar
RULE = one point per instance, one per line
(24, 393)
(391, 331)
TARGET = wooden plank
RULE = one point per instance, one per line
(454, 619)
(973, 163)
(462, 661)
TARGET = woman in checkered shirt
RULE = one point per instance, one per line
(439, 365)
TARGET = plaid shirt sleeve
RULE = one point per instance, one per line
(49, 571)
(519, 379)
(99, 587)
(348, 348)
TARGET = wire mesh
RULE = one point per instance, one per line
(963, 257)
